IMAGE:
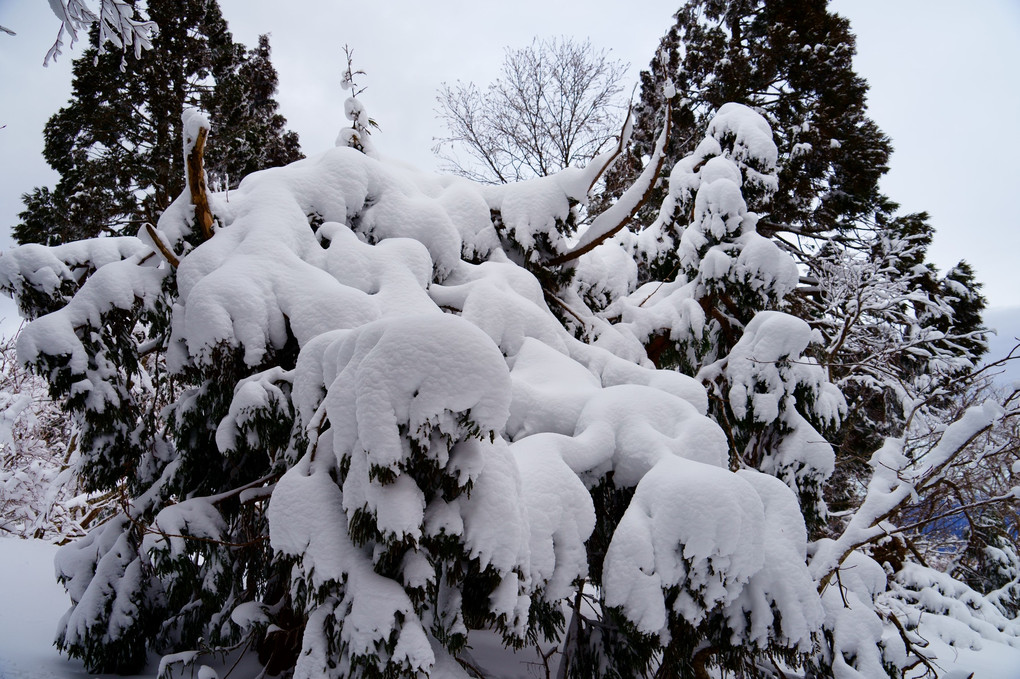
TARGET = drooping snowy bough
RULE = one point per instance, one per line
(373, 420)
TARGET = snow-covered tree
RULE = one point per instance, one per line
(115, 143)
(896, 337)
(367, 421)
(872, 575)
(725, 325)
(965, 524)
(792, 61)
(892, 331)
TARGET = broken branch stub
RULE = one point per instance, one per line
(197, 185)
(167, 253)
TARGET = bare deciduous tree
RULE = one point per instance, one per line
(555, 104)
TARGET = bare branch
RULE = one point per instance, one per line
(555, 104)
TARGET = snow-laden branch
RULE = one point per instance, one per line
(895, 480)
(623, 210)
(116, 26)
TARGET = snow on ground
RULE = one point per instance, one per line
(31, 603)
(992, 661)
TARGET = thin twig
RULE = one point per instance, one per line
(661, 283)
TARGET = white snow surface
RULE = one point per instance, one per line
(307, 520)
(673, 537)
(750, 137)
(748, 567)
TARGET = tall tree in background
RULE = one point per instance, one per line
(252, 134)
(555, 104)
(792, 62)
(117, 143)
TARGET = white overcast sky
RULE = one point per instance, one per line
(945, 86)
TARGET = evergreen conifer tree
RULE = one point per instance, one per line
(792, 62)
(116, 145)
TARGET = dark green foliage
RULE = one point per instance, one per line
(603, 642)
(964, 326)
(117, 144)
(153, 458)
(250, 133)
(120, 648)
(792, 62)
(894, 332)
(610, 646)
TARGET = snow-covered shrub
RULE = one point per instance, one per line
(360, 427)
(353, 427)
(733, 574)
(38, 489)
